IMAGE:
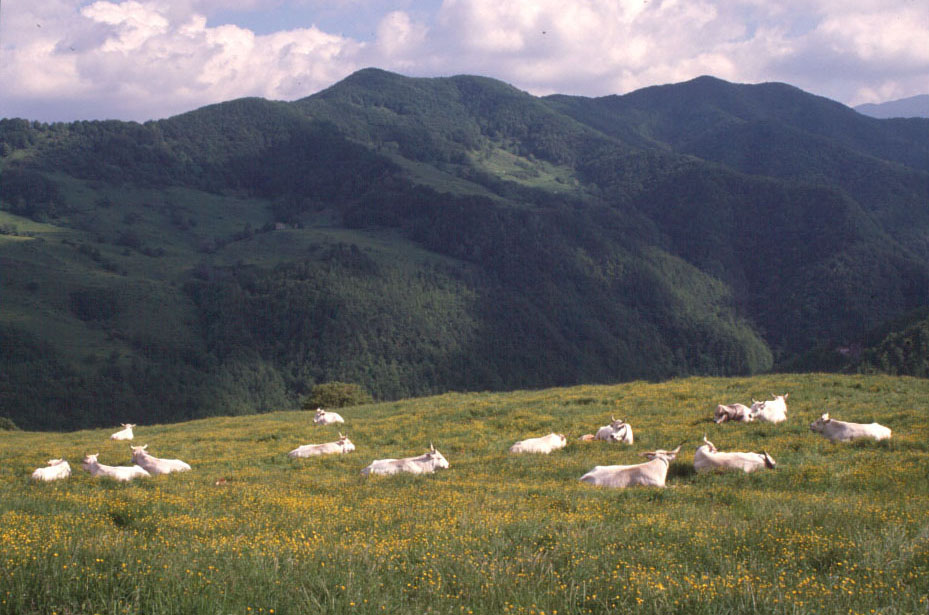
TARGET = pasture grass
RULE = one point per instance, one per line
(837, 528)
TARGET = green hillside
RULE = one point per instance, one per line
(423, 235)
(835, 528)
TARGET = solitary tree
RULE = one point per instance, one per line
(336, 395)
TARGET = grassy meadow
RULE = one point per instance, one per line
(836, 528)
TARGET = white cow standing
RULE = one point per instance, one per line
(771, 411)
(424, 464)
(841, 431)
(327, 418)
(649, 474)
(707, 458)
(120, 473)
(153, 465)
(56, 469)
(542, 445)
(341, 446)
(125, 433)
(733, 412)
(617, 431)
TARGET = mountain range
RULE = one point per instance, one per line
(913, 106)
(418, 235)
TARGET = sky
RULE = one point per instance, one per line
(66, 60)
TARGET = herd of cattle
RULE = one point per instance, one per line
(651, 473)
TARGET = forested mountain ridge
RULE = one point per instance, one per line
(420, 235)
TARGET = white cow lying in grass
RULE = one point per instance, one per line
(327, 418)
(154, 465)
(650, 474)
(733, 412)
(617, 431)
(125, 433)
(771, 411)
(424, 464)
(840, 431)
(56, 470)
(342, 445)
(120, 473)
(543, 445)
(707, 458)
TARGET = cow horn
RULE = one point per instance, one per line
(431, 447)
(340, 435)
(612, 418)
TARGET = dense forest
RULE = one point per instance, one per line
(422, 235)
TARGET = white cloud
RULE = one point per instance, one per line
(400, 38)
(132, 24)
(139, 59)
(596, 47)
(136, 57)
(592, 46)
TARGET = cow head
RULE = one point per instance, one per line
(128, 425)
(819, 424)
(708, 444)
(138, 451)
(54, 462)
(90, 459)
(345, 443)
(618, 434)
(768, 460)
(662, 454)
(438, 460)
